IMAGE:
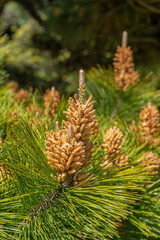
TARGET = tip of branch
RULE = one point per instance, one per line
(124, 39)
(81, 77)
(52, 91)
(82, 86)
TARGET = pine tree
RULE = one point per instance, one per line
(81, 170)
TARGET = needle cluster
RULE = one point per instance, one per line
(84, 123)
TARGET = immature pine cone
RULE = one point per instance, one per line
(70, 149)
(112, 146)
(65, 154)
(149, 125)
(81, 117)
(151, 163)
(113, 141)
(125, 75)
(84, 123)
(51, 101)
(22, 95)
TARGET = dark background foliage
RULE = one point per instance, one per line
(73, 34)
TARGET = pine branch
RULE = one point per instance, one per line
(46, 203)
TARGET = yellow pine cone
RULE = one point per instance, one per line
(112, 142)
(124, 72)
(151, 163)
(112, 145)
(84, 122)
(82, 118)
(149, 125)
(51, 101)
(0, 143)
(22, 95)
(65, 154)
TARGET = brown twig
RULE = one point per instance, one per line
(47, 201)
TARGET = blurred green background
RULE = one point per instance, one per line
(46, 42)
